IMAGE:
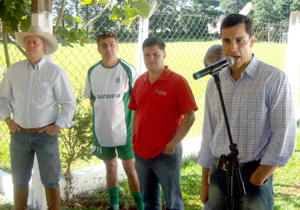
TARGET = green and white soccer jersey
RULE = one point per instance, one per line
(110, 89)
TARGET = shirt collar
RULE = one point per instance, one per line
(164, 76)
(39, 65)
(250, 70)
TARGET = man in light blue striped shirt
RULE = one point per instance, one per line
(262, 116)
(34, 88)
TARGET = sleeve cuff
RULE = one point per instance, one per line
(64, 123)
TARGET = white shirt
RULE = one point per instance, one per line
(34, 95)
(109, 87)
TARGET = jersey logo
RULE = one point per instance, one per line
(118, 80)
(108, 96)
(161, 92)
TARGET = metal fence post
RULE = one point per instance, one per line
(143, 34)
(292, 63)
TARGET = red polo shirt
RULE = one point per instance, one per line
(159, 110)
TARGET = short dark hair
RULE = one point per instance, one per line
(213, 54)
(236, 19)
(106, 34)
(152, 41)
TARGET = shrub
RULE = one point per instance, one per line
(76, 142)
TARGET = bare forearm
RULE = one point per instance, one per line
(261, 174)
(8, 121)
(133, 123)
(205, 185)
(13, 127)
(186, 124)
(205, 175)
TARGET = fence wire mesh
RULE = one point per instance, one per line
(187, 39)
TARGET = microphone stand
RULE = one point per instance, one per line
(229, 162)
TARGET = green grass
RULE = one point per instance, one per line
(287, 193)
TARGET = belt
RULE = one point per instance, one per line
(243, 166)
(34, 130)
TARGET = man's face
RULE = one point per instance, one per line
(237, 44)
(34, 47)
(154, 58)
(108, 48)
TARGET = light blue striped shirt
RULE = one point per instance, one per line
(35, 95)
(261, 110)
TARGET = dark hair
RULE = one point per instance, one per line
(236, 19)
(106, 34)
(152, 41)
(213, 54)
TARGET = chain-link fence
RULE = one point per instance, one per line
(187, 39)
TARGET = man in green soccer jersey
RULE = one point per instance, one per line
(108, 86)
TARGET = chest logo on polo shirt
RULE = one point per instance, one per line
(161, 92)
(118, 80)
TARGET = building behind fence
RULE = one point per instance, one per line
(187, 38)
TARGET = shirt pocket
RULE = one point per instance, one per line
(42, 90)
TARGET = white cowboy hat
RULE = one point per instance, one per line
(52, 43)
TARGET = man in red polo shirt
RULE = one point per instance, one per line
(164, 112)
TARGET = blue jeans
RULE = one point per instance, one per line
(257, 197)
(162, 171)
(23, 146)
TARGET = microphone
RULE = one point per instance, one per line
(214, 68)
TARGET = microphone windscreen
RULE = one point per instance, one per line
(230, 60)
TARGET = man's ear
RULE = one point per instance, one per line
(252, 41)
(44, 47)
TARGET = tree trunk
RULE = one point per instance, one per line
(61, 13)
(16, 43)
(68, 178)
(98, 15)
(76, 10)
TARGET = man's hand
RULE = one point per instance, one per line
(13, 127)
(170, 148)
(186, 124)
(50, 129)
(204, 194)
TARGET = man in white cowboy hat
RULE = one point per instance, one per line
(32, 90)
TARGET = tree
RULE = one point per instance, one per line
(233, 6)
(13, 15)
(274, 10)
(76, 142)
(190, 9)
